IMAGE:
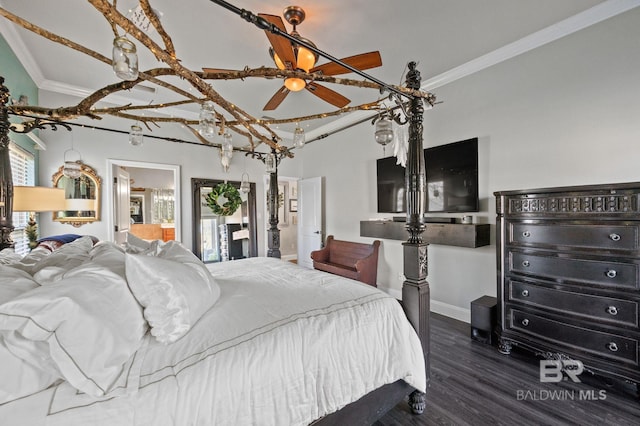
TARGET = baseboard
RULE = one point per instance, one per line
(451, 311)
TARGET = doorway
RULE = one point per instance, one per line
(153, 200)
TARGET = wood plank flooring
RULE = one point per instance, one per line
(473, 384)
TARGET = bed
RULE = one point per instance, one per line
(256, 341)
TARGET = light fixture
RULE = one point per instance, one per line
(384, 131)
(245, 187)
(299, 137)
(226, 151)
(270, 162)
(207, 124)
(125, 59)
(35, 199)
(72, 168)
(136, 137)
(305, 58)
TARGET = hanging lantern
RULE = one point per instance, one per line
(207, 125)
(125, 59)
(384, 131)
(270, 163)
(245, 187)
(136, 135)
(72, 169)
(299, 137)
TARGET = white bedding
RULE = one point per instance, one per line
(283, 345)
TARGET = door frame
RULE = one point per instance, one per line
(111, 162)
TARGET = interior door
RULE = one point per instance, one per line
(121, 196)
(310, 221)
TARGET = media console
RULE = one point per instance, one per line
(450, 234)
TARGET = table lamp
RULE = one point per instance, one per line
(34, 199)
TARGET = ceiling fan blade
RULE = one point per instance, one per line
(328, 95)
(280, 45)
(363, 61)
(276, 99)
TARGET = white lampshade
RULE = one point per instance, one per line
(37, 199)
(79, 204)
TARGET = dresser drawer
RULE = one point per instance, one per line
(606, 345)
(592, 307)
(602, 236)
(563, 269)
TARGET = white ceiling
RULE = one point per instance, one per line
(447, 38)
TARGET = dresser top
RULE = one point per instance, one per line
(599, 188)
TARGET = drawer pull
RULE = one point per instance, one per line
(614, 237)
(526, 234)
(611, 273)
(525, 322)
(525, 293)
(612, 346)
(526, 263)
(612, 310)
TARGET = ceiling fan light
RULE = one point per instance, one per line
(294, 84)
(277, 59)
(305, 59)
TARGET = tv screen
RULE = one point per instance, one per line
(451, 174)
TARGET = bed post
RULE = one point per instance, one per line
(6, 180)
(273, 233)
(415, 289)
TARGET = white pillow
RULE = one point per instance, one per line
(139, 246)
(110, 255)
(67, 257)
(87, 325)
(14, 282)
(175, 288)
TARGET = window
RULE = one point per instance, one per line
(23, 173)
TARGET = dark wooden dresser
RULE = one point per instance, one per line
(569, 275)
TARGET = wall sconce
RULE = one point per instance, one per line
(299, 138)
(207, 124)
(125, 59)
(35, 199)
(135, 135)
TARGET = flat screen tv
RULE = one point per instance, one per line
(452, 180)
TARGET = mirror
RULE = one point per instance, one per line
(219, 238)
(145, 200)
(82, 196)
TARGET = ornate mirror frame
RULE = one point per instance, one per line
(82, 192)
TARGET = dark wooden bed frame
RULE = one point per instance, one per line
(415, 290)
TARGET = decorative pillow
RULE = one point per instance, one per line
(14, 282)
(63, 239)
(175, 289)
(88, 326)
(8, 256)
(67, 257)
(139, 246)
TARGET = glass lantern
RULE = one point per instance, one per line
(207, 125)
(125, 59)
(299, 137)
(72, 169)
(135, 135)
(384, 131)
(270, 163)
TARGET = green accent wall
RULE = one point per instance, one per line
(19, 83)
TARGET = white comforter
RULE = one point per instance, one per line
(283, 345)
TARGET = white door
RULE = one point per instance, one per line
(121, 197)
(309, 219)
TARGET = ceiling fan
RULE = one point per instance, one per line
(289, 55)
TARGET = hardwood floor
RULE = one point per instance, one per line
(473, 384)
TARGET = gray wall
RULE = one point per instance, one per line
(566, 113)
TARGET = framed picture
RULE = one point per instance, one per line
(293, 205)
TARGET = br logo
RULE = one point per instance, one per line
(554, 371)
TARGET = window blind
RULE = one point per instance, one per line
(23, 173)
